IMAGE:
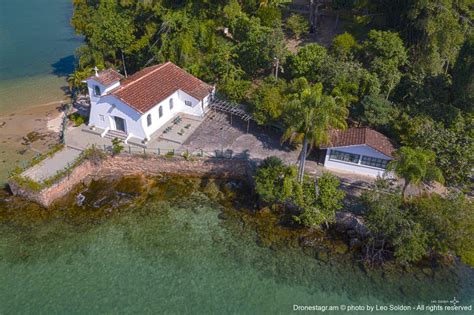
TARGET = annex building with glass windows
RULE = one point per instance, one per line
(358, 150)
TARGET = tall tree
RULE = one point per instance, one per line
(385, 54)
(310, 117)
(308, 62)
(113, 31)
(463, 76)
(433, 30)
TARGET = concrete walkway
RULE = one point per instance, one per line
(51, 166)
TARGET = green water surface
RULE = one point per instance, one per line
(186, 249)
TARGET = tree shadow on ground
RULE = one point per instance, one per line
(64, 66)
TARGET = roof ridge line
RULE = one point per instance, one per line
(146, 75)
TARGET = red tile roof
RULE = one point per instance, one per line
(148, 87)
(107, 77)
(358, 136)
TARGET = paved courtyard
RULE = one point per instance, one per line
(217, 132)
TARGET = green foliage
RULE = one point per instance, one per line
(268, 102)
(438, 34)
(390, 224)
(257, 44)
(312, 113)
(232, 10)
(75, 79)
(310, 116)
(349, 76)
(453, 147)
(269, 16)
(26, 183)
(463, 76)
(297, 24)
(321, 201)
(385, 54)
(117, 146)
(308, 62)
(277, 183)
(234, 89)
(448, 222)
(376, 111)
(77, 119)
(343, 45)
(422, 226)
(416, 166)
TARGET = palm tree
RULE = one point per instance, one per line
(416, 167)
(75, 80)
(310, 117)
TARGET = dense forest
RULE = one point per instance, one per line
(402, 67)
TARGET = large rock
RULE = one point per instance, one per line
(349, 222)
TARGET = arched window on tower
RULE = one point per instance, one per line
(171, 103)
(160, 112)
(96, 90)
(148, 120)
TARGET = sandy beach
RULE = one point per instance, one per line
(27, 132)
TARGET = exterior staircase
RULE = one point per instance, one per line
(111, 134)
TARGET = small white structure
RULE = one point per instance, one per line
(359, 150)
(139, 105)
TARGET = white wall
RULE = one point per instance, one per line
(196, 109)
(110, 106)
(136, 123)
(156, 122)
(103, 89)
(356, 168)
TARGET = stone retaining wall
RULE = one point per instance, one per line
(47, 196)
(126, 165)
(155, 165)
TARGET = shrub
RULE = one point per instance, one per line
(297, 24)
(317, 204)
(77, 119)
(321, 201)
(117, 146)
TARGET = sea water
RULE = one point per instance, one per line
(181, 250)
(37, 46)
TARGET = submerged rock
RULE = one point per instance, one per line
(223, 216)
(132, 185)
(322, 256)
(80, 199)
(339, 247)
(355, 244)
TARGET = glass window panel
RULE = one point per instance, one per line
(344, 156)
(374, 162)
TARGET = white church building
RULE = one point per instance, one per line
(358, 150)
(139, 105)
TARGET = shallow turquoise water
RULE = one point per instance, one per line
(180, 254)
(37, 45)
